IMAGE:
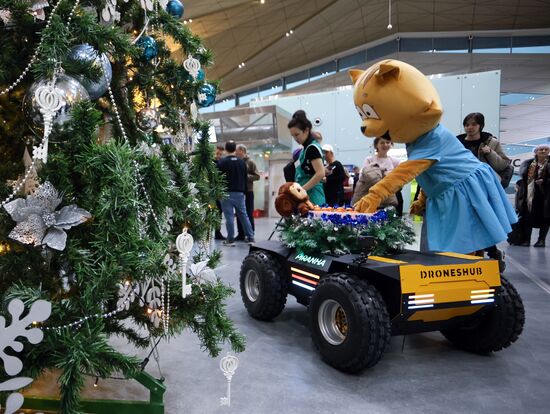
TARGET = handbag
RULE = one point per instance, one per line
(506, 175)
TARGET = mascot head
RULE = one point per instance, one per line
(292, 198)
(395, 100)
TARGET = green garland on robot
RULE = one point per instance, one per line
(315, 235)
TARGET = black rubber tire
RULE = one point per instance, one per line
(269, 297)
(366, 314)
(494, 330)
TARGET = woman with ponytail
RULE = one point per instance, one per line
(310, 170)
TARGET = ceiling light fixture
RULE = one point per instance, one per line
(389, 27)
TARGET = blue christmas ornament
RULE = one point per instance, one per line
(149, 46)
(200, 76)
(206, 95)
(175, 8)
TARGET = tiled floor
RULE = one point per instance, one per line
(280, 371)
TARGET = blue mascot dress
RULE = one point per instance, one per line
(467, 208)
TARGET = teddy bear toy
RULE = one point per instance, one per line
(464, 205)
(292, 199)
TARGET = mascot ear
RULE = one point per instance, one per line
(388, 70)
(355, 74)
(432, 111)
(285, 187)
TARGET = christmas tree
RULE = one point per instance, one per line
(105, 172)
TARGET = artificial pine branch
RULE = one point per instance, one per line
(96, 170)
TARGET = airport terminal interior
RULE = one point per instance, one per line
(125, 283)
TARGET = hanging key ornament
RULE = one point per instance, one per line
(228, 365)
(184, 244)
(49, 100)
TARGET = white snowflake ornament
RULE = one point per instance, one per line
(19, 327)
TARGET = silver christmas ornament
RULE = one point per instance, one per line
(148, 119)
(70, 92)
(37, 221)
(87, 54)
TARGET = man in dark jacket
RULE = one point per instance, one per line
(235, 172)
(252, 175)
(334, 176)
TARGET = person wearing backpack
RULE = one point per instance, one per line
(487, 149)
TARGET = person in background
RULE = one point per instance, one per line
(533, 196)
(485, 146)
(356, 174)
(289, 170)
(218, 156)
(309, 169)
(252, 175)
(368, 177)
(386, 163)
(334, 178)
(235, 173)
(487, 149)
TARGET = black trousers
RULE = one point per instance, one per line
(249, 201)
(543, 230)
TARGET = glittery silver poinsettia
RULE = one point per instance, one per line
(37, 221)
(36, 8)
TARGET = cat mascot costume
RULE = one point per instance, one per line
(464, 205)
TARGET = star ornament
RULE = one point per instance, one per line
(38, 222)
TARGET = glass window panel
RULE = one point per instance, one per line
(356, 59)
(382, 50)
(322, 70)
(518, 98)
(271, 88)
(491, 45)
(531, 44)
(416, 45)
(451, 45)
(246, 96)
(225, 104)
(297, 79)
(206, 110)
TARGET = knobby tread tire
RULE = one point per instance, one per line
(368, 322)
(498, 328)
(273, 286)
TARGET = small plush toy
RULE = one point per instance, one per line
(466, 207)
(292, 198)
